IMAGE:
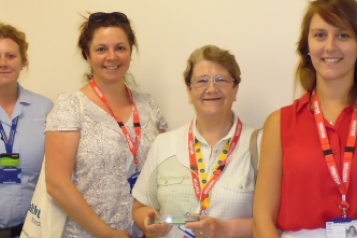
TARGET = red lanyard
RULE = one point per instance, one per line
(348, 154)
(194, 167)
(133, 146)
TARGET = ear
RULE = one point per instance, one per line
(189, 92)
(235, 91)
(88, 58)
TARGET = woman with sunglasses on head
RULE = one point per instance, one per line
(307, 173)
(97, 138)
(221, 159)
(22, 125)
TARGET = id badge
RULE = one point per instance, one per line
(10, 175)
(341, 228)
(132, 180)
(9, 159)
(188, 232)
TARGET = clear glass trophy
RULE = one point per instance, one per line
(171, 194)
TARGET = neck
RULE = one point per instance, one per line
(214, 128)
(334, 97)
(333, 92)
(113, 90)
(8, 97)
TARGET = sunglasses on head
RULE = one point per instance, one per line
(99, 17)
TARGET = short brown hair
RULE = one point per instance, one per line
(10, 32)
(338, 13)
(214, 54)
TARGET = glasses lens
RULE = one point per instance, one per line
(201, 82)
(98, 17)
(222, 81)
(120, 17)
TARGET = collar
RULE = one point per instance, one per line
(24, 96)
(303, 102)
(230, 134)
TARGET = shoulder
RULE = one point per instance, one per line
(173, 136)
(41, 103)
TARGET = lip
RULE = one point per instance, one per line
(5, 72)
(332, 60)
(211, 99)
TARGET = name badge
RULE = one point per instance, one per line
(132, 180)
(340, 228)
(9, 159)
(10, 175)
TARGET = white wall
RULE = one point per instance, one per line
(261, 34)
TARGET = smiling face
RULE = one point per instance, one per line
(10, 62)
(109, 54)
(333, 50)
(212, 100)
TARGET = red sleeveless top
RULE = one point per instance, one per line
(309, 196)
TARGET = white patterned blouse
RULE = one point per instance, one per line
(104, 161)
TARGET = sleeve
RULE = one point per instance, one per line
(141, 185)
(65, 115)
(161, 122)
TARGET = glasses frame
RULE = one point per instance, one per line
(202, 85)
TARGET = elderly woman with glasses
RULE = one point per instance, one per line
(97, 138)
(221, 159)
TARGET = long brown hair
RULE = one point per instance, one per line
(338, 13)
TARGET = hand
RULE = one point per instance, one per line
(207, 227)
(118, 234)
(155, 230)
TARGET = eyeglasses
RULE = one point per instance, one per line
(219, 80)
(99, 17)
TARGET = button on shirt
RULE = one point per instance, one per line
(32, 110)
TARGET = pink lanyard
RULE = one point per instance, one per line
(326, 148)
(132, 146)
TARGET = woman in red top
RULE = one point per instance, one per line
(297, 188)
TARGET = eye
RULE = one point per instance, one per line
(203, 80)
(319, 35)
(121, 48)
(344, 36)
(11, 56)
(100, 49)
(221, 79)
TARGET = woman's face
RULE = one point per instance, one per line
(109, 54)
(211, 100)
(333, 50)
(10, 62)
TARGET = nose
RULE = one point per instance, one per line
(2, 62)
(211, 85)
(111, 54)
(330, 44)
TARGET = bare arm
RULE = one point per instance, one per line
(60, 151)
(268, 189)
(215, 228)
(142, 214)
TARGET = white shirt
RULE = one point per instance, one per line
(231, 196)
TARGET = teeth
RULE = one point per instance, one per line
(112, 67)
(332, 60)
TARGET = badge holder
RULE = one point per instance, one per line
(171, 194)
(10, 173)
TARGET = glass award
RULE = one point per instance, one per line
(171, 194)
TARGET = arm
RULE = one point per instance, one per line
(268, 189)
(60, 151)
(142, 215)
(211, 227)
